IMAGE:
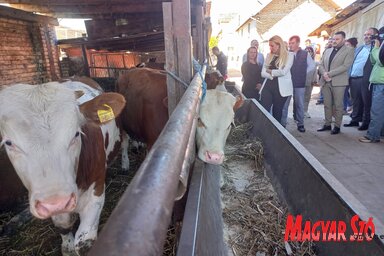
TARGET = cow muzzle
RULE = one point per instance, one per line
(214, 157)
(55, 205)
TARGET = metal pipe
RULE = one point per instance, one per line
(139, 223)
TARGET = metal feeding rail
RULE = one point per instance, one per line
(139, 223)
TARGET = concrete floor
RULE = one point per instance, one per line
(358, 166)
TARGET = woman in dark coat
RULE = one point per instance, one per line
(251, 72)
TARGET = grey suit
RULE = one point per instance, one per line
(333, 91)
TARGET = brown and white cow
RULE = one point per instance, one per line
(146, 111)
(59, 148)
(216, 116)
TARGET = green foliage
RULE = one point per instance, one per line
(213, 41)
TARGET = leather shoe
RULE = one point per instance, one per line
(335, 130)
(363, 127)
(351, 124)
(368, 140)
(325, 128)
(301, 128)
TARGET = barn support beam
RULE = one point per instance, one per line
(199, 42)
(86, 65)
(178, 48)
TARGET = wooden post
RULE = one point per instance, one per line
(170, 57)
(199, 12)
(86, 66)
(178, 48)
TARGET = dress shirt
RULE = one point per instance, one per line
(361, 58)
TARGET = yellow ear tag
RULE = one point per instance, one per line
(105, 115)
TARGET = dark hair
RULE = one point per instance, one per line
(297, 38)
(252, 47)
(352, 41)
(215, 48)
(342, 33)
(381, 31)
(311, 51)
(375, 30)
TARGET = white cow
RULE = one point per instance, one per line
(217, 111)
(59, 151)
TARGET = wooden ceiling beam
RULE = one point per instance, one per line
(144, 42)
(80, 2)
(105, 8)
(27, 16)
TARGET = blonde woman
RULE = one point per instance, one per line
(277, 73)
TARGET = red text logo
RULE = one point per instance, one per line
(330, 230)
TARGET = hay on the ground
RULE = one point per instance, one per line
(253, 215)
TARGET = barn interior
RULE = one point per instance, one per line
(119, 34)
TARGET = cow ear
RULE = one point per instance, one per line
(221, 79)
(103, 108)
(79, 94)
(239, 102)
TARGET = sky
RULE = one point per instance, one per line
(72, 23)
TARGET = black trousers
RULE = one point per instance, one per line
(362, 100)
(366, 94)
(357, 98)
(270, 97)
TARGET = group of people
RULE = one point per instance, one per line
(285, 73)
(290, 72)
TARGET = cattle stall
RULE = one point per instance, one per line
(139, 223)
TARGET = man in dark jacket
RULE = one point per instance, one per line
(222, 61)
(302, 64)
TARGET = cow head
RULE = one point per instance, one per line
(213, 78)
(40, 127)
(214, 124)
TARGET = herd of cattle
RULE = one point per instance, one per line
(60, 137)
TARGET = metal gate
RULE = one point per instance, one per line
(107, 64)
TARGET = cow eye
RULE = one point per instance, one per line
(75, 139)
(11, 146)
(200, 123)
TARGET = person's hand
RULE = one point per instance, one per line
(258, 86)
(269, 71)
(326, 76)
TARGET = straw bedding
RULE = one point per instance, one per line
(254, 218)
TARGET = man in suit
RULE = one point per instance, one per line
(334, 68)
(359, 83)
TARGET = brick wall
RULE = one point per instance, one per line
(28, 53)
